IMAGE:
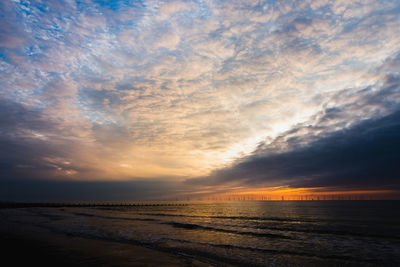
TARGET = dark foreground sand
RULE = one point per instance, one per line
(27, 245)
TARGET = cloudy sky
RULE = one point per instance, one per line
(165, 98)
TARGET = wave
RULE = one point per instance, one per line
(327, 232)
(188, 226)
(283, 229)
(115, 218)
(280, 219)
(191, 226)
(278, 252)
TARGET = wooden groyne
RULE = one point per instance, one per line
(13, 205)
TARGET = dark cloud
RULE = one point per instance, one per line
(31, 144)
(16, 148)
(365, 156)
(14, 116)
(45, 190)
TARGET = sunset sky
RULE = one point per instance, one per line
(125, 100)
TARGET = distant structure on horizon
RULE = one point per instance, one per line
(310, 197)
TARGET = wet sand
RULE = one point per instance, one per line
(27, 245)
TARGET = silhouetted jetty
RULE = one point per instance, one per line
(12, 205)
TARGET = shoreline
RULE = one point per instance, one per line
(26, 244)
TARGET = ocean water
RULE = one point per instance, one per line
(248, 233)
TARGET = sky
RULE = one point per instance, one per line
(123, 100)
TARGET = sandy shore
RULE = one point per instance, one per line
(27, 245)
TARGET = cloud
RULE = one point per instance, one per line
(335, 149)
(182, 88)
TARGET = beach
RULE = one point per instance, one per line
(24, 244)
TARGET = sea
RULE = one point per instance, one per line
(242, 233)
